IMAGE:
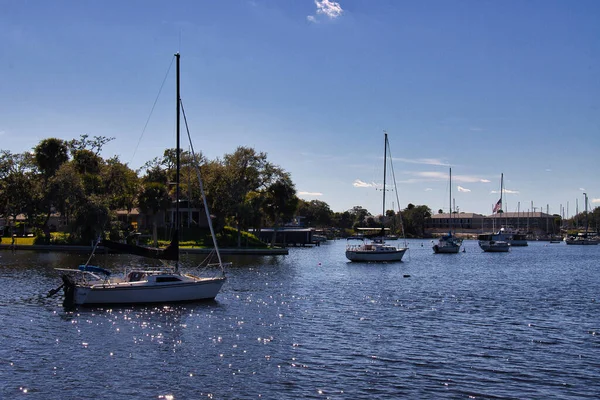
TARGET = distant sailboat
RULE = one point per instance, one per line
(448, 244)
(488, 242)
(377, 249)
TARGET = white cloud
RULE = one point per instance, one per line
(595, 200)
(327, 8)
(464, 190)
(582, 189)
(443, 176)
(505, 191)
(310, 194)
(548, 170)
(359, 183)
(468, 179)
(432, 175)
(428, 189)
(426, 161)
(475, 129)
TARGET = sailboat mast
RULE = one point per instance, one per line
(501, 194)
(384, 174)
(501, 190)
(176, 234)
(450, 202)
(586, 213)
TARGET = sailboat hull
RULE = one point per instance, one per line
(375, 256)
(581, 242)
(194, 289)
(494, 247)
(446, 249)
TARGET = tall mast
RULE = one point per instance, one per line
(384, 174)
(177, 56)
(450, 202)
(586, 214)
(501, 190)
(501, 193)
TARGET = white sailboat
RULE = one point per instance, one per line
(490, 243)
(377, 249)
(448, 244)
(89, 285)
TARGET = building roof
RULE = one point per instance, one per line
(459, 215)
(502, 215)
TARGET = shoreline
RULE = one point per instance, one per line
(184, 250)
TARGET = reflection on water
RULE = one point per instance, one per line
(522, 324)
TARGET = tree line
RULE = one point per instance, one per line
(243, 189)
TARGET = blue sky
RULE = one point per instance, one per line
(486, 87)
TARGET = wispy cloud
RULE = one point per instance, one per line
(326, 8)
(475, 129)
(310, 194)
(442, 176)
(582, 189)
(548, 169)
(505, 191)
(2, 133)
(595, 200)
(426, 161)
(359, 183)
(464, 190)
(432, 175)
(428, 189)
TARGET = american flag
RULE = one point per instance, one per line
(497, 206)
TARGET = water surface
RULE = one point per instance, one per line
(311, 324)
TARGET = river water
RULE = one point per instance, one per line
(473, 325)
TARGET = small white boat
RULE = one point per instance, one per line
(447, 245)
(494, 246)
(375, 249)
(93, 286)
(139, 286)
(581, 241)
(369, 250)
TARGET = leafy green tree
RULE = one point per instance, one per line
(316, 213)
(280, 203)
(92, 218)
(68, 192)
(154, 198)
(85, 143)
(50, 154)
(359, 215)
(87, 162)
(414, 218)
(17, 182)
(120, 185)
(343, 220)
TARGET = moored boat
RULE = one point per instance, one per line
(450, 243)
(93, 286)
(369, 250)
(494, 246)
(376, 249)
